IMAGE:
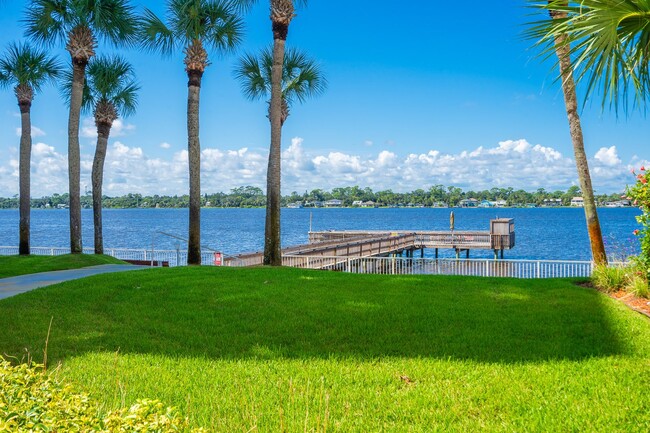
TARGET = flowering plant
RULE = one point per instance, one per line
(640, 194)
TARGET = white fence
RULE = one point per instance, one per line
(466, 267)
(364, 265)
(172, 257)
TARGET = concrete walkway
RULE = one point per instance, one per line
(24, 283)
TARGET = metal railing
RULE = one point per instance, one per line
(173, 257)
(363, 265)
(465, 267)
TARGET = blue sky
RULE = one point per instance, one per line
(416, 97)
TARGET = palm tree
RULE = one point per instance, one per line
(610, 42)
(562, 49)
(282, 12)
(110, 92)
(27, 70)
(301, 78)
(78, 23)
(191, 25)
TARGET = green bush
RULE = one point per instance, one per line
(638, 284)
(631, 278)
(34, 401)
(609, 278)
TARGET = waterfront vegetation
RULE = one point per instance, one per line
(251, 196)
(11, 266)
(278, 349)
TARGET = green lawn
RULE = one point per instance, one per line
(288, 350)
(11, 266)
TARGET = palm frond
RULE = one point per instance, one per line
(112, 80)
(609, 42)
(114, 21)
(223, 28)
(254, 77)
(47, 21)
(24, 65)
(155, 35)
(302, 77)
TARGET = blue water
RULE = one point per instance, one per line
(541, 233)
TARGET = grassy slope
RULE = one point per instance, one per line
(274, 348)
(11, 266)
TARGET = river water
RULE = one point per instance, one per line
(541, 233)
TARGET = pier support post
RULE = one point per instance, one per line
(436, 253)
(467, 253)
(422, 253)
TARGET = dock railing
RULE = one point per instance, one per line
(365, 265)
(463, 267)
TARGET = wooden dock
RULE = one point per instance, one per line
(373, 243)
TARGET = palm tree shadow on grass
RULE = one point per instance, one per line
(322, 316)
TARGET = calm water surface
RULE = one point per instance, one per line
(541, 233)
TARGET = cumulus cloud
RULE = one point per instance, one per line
(515, 163)
(119, 128)
(608, 156)
(36, 132)
(165, 145)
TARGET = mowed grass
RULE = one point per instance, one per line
(273, 350)
(11, 266)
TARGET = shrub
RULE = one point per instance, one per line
(34, 401)
(609, 278)
(640, 194)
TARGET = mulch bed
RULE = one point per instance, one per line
(640, 305)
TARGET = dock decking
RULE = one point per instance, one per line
(374, 243)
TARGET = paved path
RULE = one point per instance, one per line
(24, 283)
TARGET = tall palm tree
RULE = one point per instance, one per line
(610, 42)
(191, 25)
(27, 69)
(110, 92)
(282, 12)
(562, 49)
(79, 23)
(301, 78)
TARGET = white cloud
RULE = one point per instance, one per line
(608, 156)
(515, 163)
(36, 132)
(165, 145)
(119, 128)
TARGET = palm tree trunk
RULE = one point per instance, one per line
(24, 177)
(78, 76)
(103, 131)
(562, 50)
(194, 156)
(272, 242)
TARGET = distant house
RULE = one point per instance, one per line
(468, 202)
(368, 203)
(486, 203)
(552, 202)
(357, 203)
(577, 201)
(439, 204)
(333, 203)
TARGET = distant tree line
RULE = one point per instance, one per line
(251, 196)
